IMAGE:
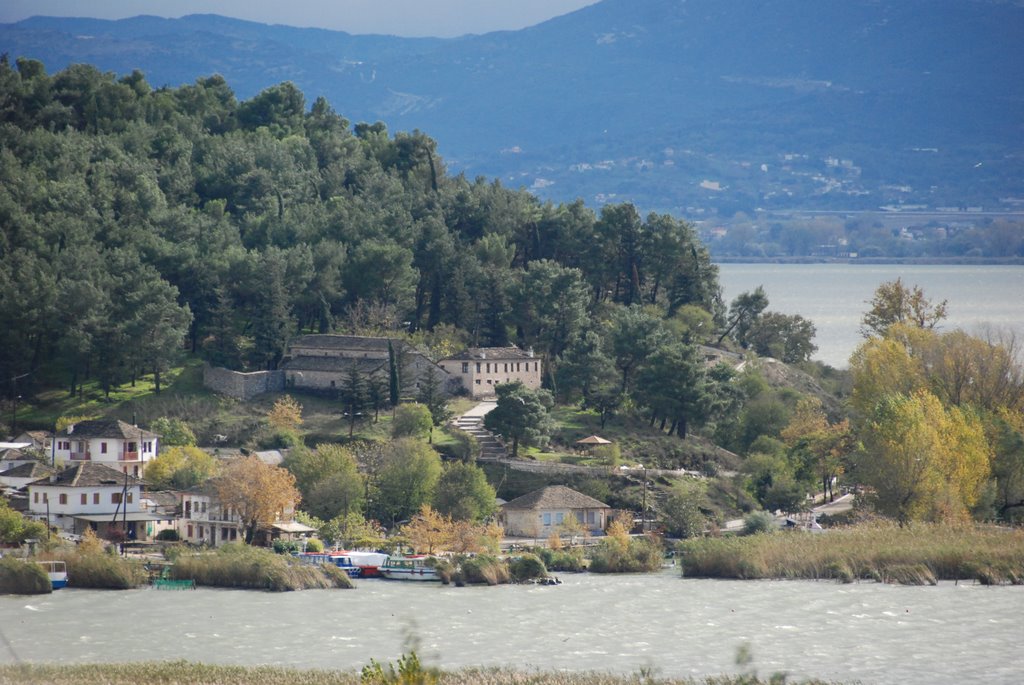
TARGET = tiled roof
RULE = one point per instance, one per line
(333, 364)
(33, 470)
(13, 455)
(89, 475)
(493, 353)
(108, 428)
(555, 497)
(343, 342)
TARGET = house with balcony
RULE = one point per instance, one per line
(114, 443)
(205, 520)
(92, 495)
(480, 370)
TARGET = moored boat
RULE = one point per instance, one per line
(412, 567)
(342, 561)
(57, 572)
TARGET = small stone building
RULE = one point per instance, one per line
(323, 362)
(481, 369)
(544, 511)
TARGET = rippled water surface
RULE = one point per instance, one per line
(866, 632)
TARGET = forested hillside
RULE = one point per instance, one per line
(140, 223)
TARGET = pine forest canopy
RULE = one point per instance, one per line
(135, 218)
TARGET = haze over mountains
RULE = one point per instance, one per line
(688, 106)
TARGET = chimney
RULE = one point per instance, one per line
(530, 352)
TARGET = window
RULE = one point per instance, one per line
(579, 517)
(85, 498)
(536, 366)
(135, 471)
(103, 448)
(506, 368)
(35, 498)
(478, 381)
(63, 499)
(95, 498)
(465, 367)
(547, 518)
(489, 367)
(203, 506)
(130, 495)
(200, 532)
(590, 517)
(115, 498)
(517, 366)
(559, 518)
(190, 530)
(478, 367)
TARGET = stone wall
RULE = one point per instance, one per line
(242, 386)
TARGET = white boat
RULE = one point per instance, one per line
(57, 572)
(412, 567)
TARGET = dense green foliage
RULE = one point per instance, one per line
(136, 217)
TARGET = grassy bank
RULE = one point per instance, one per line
(168, 673)
(239, 566)
(915, 555)
(19, 578)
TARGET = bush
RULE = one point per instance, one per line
(19, 578)
(314, 545)
(168, 535)
(638, 555)
(571, 560)
(485, 569)
(758, 522)
(286, 546)
(527, 567)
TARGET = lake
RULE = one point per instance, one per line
(834, 296)
(869, 632)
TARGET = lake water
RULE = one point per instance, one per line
(834, 296)
(867, 632)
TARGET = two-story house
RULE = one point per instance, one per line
(113, 443)
(204, 520)
(481, 369)
(90, 495)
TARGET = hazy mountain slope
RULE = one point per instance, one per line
(840, 103)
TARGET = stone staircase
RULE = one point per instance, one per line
(491, 447)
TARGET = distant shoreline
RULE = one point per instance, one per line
(854, 261)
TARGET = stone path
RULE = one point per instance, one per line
(472, 422)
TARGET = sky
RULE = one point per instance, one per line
(441, 18)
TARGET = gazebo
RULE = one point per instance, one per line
(592, 441)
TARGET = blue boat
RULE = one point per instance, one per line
(342, 561)
(57, 572)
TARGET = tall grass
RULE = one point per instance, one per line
(92, 566)
(633, 555)
(173, 672)
(237, 565)
(19, 578)
(917, 554)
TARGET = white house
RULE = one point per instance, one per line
(90, 495)
(204, 521)
(481, 369)
(113, 443)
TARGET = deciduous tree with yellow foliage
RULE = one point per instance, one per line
(258, 492)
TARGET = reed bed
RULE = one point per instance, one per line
(19, 578)
(920, 554)
(175, 672)
(237, 565)
(97, 568)
(634, 555)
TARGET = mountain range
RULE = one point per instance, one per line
(689, 106)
